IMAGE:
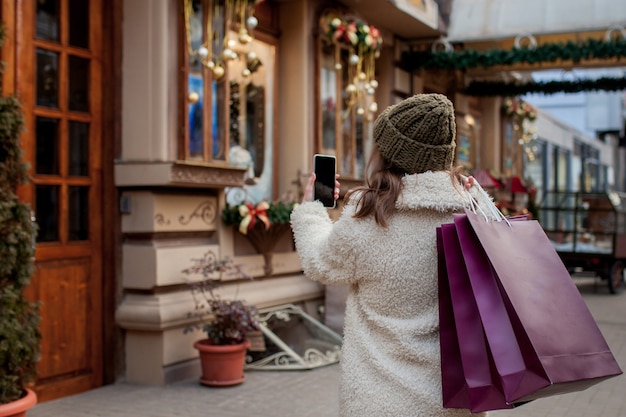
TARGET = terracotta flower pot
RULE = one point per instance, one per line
(222, 365)
(19, 407)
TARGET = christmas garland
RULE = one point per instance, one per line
(511, 89)
(246, 214)
(548, 52)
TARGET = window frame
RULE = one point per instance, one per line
(267, 33)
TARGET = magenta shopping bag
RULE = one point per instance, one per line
(454, 386)
(556, 335)
(511, 360)
(468, 380)
(536, 330)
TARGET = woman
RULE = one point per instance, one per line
(384, 247)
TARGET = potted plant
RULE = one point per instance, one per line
(227, 323)
(262, 224)
(19, 323)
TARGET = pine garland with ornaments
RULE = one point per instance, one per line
(363, 43)
(502, 88)
(584, 50)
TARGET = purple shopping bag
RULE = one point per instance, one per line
(555, 333)
(520, 371)
(454, 387)
(468, 380)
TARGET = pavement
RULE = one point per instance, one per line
(314, 393)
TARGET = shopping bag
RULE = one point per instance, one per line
(513, 363)
(453, 384)
(554, 330)
(530, 356)
(468, 380)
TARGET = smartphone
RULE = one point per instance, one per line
(325, 168)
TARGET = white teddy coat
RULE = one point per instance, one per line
(390, 355)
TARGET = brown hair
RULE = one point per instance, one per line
(383, 186)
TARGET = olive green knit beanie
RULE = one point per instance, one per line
(417, 134)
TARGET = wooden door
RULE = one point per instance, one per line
(58, 79)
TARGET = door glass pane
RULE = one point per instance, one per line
(47, 212)
(79, 149)
(79, 23)
(78, 213)
(255, 126)
(47, 146)
(219, 101)
(47, 78)
(561, 171)
(195, 85)
(47, 20)
(79, 84)
(218, 120)
(359, 168)
(196, 101)
(328, 98)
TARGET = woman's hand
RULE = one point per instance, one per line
(310, 186)
(468, 182)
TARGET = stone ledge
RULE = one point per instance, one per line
(160, 312)
(182, 174)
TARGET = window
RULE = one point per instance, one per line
(63, 130)
(535, 168)
(561, 170)
(346, 107)
(226, 110)
(587, 169)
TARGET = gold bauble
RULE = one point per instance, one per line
(193, 97)
(218, 72)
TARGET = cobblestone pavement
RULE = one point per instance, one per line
(264, 394)
(314, 393)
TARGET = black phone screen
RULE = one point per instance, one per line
(324, 179)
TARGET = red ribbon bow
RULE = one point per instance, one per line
(250, 214)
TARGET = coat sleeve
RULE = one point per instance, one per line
(326, 249)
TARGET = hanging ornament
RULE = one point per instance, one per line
(219, 46)
(218, 72)
(228, 54)
(244, 37)
(252, 22)
(193, 97)
(362, 42)
(203, 52)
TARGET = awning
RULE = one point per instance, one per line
(485, 179)
(484, 20)
(409, 19)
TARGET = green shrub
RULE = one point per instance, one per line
(19, 323)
